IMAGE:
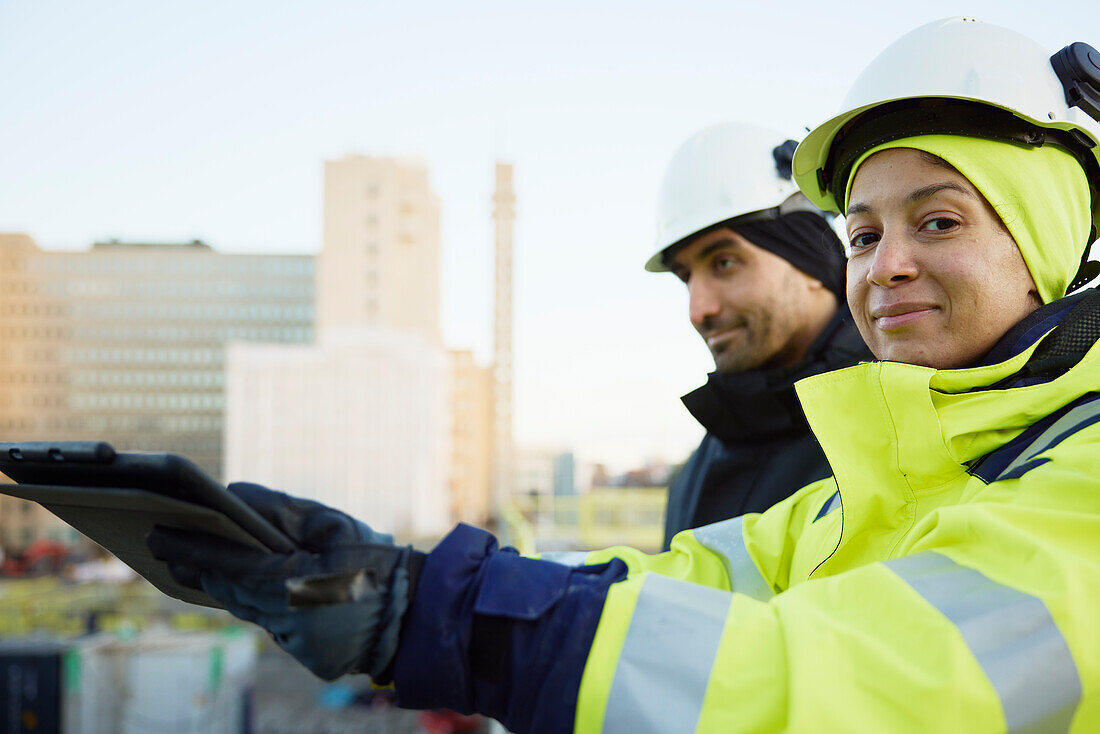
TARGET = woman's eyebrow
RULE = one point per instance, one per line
(914, 196)
(858, 208)
(925, 192)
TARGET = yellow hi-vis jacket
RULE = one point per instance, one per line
(921, 598)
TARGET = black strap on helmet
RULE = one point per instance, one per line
(939, 116)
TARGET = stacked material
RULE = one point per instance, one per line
(186, 683)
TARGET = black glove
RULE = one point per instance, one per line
(336, 605)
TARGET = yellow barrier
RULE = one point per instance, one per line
(516, 531)
(601, 518)
(51, 605)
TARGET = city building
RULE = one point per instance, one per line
(380, 254)
(361, 421)
(565, 474)
(471, 441)
(504, 216)
(125, 343)
(543, 471)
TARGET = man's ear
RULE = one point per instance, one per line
(813, 283)
(817, 288)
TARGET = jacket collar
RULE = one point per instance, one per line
(887, 424)
(1034, 326)
(759, 406)
(894, 432)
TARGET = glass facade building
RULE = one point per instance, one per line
(126, 342)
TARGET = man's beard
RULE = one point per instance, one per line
(745, 349)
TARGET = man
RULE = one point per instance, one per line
(945, 578)
(764, 272)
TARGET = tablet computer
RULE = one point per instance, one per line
(115, 498)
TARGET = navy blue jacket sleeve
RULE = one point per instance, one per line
(492, 632)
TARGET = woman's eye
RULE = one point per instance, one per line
(940, 224)
(863, 240)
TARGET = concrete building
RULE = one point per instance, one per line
(125, 343)
(359, 421)
(565, 474)
(471, 446)
(379, 261)
(504, 215)
(545, 471)
(536, 470)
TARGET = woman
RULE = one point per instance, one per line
(946, 578)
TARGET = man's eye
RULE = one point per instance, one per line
(724, 263)
(862, 241)
(940, 224)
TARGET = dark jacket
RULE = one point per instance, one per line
(758, 449)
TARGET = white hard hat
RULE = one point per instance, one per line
(1028, 97)
(721, 173)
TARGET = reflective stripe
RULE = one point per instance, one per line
(1067, 424)
(663, 670)
(1011, 635)
(727, 539)
(566, 558)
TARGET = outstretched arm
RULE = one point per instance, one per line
(335, 604)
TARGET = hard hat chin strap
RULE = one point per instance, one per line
(1089, 269)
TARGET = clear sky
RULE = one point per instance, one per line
(160, 121)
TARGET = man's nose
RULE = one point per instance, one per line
(703, 301)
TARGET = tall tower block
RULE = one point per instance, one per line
(379, 264)
(504, 215)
